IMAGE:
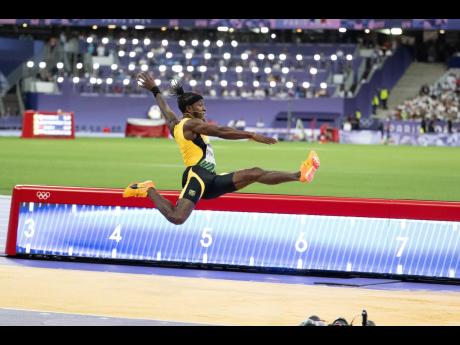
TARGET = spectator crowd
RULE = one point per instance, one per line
(439, 101)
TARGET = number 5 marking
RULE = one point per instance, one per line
(403, 245)
(206, 239)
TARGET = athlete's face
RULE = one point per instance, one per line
(198, 109)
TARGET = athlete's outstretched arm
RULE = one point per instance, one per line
(200, 127)
(146, 81)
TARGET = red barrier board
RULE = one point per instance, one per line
(48, 124)
(142, 128)
(242, 202)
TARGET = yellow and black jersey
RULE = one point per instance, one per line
(197, 151)
(199, 179)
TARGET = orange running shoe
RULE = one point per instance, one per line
(138, 190)
(309, 167)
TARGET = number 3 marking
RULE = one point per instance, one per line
(30, 228)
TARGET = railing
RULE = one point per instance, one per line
(16, 76)
(374, 69)
(361, 70)
(348, 83)
(19, 98)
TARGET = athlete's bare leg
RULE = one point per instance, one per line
(245, 177)
(175, 214)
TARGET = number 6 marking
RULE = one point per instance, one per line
(206, 240)
(301, 244)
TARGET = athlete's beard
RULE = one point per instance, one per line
(198, 114)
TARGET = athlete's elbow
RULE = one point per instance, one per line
(215, 133)
(225, 134)
(222, 136)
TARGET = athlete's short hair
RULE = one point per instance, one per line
(183, 98)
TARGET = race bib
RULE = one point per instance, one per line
(210, 155)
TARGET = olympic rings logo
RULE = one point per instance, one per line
(43, 195)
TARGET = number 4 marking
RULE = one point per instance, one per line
(116, 234)
(403, 245)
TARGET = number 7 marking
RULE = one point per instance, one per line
(403, 245)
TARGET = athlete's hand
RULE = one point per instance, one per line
(146, 80)
(263, 139)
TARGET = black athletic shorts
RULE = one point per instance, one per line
(197, 183)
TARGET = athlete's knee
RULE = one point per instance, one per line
(180, 213)
(177, 219)
(256, 172)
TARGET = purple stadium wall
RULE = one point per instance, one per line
(105, 111)
(13, 52)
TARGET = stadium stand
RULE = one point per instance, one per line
(316, 78)
(219, 69)
(436, 104)
(438, 100)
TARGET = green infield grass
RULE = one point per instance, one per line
(372, 171)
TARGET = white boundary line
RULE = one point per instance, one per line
(104, 316)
